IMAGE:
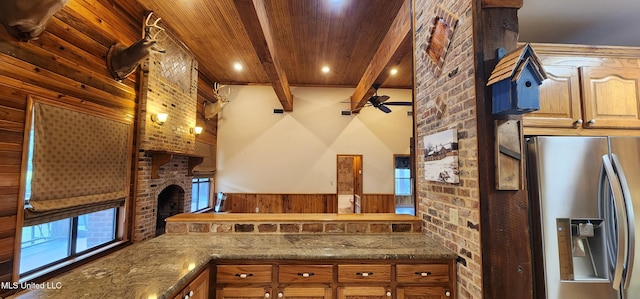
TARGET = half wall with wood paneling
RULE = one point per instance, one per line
(303, 203)
(67, 64)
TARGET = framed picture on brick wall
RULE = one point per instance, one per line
(441, 157)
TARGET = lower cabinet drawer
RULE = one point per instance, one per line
(423, 273)
(305, 273)
(243, 273)
(360, 273)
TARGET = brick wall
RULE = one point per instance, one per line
(169, 84)
(447, 101)
(291, 227)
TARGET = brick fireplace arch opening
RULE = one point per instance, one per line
(170, 202)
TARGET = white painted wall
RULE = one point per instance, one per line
(295, 152)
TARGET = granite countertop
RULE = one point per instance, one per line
(156, 268)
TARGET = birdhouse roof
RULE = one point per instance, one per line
(523, 66)
(509, 65)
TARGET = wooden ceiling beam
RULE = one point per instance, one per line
(501, 3)
(398, 31)
(253, 14)
(403, 50)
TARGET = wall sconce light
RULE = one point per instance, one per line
(196, 130)
(159, 118)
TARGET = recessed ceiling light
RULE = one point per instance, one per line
(237, 66)
(325, 69)
(393, 71)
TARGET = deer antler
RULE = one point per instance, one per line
(221, 96)
(123, 61)
(148, 26)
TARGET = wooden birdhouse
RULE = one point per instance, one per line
(515, 82)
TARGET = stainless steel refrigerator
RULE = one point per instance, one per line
(584, 193)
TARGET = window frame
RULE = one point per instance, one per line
(121, 223)
(197, 181)
(72, 252)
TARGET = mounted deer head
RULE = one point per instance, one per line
(27, 19)
(221, 92)
(122, 61)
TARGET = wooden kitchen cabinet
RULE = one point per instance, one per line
(243, 292)
(368, 292)
(424, 281)
(244, 281)
(589, 91)
(305, 281)
(423, 293)
(611, 97)
(384, 279)
(560, 103)
(198, 288)
(306, 293)
(364, 281)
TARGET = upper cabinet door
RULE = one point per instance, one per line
(611, 97)
(559, 100)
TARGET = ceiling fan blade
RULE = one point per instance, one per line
(374, 100)
(384, 108)
(382, 98)
(398, 103)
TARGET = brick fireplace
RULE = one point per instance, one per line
(169, 84)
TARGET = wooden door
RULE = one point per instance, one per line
(305, 293)
(559, 100)
(243, 293)
(424, 293)
(364, 292)
(199, 286)
(611, 97)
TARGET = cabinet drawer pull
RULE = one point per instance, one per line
(306, 274)
(447, 293)
(244, 275)
(423, 274)
(364, 274)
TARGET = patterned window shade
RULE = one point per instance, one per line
(80, 164)
(208, 166)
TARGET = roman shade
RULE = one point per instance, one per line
(80, 164)
(208, 166)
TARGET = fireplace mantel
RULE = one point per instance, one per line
(159, 158)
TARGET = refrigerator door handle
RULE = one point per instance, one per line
(630, 219)
(616, 189)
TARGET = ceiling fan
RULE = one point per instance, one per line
(381, 103)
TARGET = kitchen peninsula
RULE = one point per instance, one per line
(161, 267)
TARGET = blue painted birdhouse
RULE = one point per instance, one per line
(515, 82)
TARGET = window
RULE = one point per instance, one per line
(200, 190)
(403, 181)
(403, 185)
(74, 193)
(48, 243)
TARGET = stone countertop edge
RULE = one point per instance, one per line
(157, 268)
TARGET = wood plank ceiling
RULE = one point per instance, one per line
(287, 42)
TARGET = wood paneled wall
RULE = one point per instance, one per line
(378, 203)
(281, 203)
(210, 126)
(67, 63)
(304, 203)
